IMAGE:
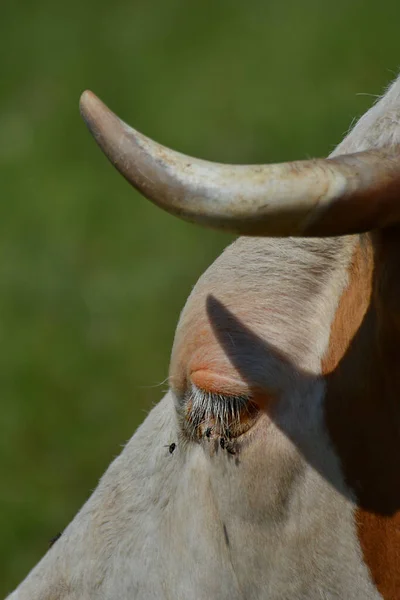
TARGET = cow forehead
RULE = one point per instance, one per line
(263, 299)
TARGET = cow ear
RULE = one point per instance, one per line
(335, 196)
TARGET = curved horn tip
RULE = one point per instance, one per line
(86, 98)
(88, 104)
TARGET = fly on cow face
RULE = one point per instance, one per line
(171, 447)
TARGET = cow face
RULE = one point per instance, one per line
(270, 469)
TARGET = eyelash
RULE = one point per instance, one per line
(224, 410)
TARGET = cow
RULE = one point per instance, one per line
(271, 468)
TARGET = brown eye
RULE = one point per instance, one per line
(209, 413)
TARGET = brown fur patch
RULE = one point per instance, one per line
(362, 422)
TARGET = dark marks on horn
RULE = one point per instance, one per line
(226, 536)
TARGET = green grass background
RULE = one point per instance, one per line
(92, 276)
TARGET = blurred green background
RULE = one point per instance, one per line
(92, 277)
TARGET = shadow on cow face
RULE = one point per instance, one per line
(354, 413)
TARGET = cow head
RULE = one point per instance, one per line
(282, 480)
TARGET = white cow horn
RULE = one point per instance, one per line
(347, 194)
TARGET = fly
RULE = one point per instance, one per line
(54, 539)
(227, 445)
(171, 447)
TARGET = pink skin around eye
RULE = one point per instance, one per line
(210, 381)
(220, 384)
(199, 359)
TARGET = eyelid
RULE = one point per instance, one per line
(229, 387)
(212, 382)
(206, 397)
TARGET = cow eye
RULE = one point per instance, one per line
(205, 412)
